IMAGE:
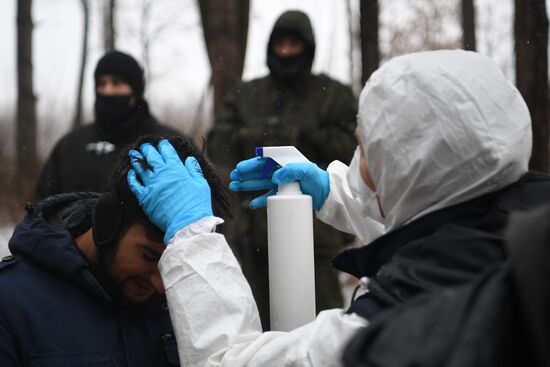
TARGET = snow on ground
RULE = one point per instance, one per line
(5, 234)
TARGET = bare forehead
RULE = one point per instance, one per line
(107, 78)
(288, 39)
(141, 234)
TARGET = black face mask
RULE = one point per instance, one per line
(290, 70)
(112, 111)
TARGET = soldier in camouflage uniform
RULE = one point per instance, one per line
(290, 106)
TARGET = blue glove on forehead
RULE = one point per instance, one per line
(172, 194)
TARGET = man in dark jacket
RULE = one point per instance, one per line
(83, 287)
(290, 106)
(83, 159)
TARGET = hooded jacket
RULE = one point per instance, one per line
(83, 159)
(291, 71)
(54, 312)
(312, 112)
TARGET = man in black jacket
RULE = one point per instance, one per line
(83, 287)
(83, 159)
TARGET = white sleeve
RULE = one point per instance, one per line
(343, 212)
(216, 321)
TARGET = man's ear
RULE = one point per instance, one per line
(106, 219)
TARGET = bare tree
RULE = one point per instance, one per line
(109, 31)
(468, 25)
(26, 103)
(354, 52)
(531, 46)
(423, 28)
(370, 51)
(86, 15)
(145, 36)
(157, 19)
(225, 26)
(351, 33)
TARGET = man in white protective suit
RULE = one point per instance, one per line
(444, 144)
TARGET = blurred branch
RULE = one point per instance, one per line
(109, 29)
(370, 52)
(26, 160)
(225, 29)
(468, 25)
(86, 15)
(531, 47)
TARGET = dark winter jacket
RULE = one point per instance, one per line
(83, 159)
(500, 319)
(443, 249)
(316, 114)
(53, 311)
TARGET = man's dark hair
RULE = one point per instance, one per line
(118, 208)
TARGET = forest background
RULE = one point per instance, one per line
(194, 51)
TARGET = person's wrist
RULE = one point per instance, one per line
(183, 221)
(325, 189)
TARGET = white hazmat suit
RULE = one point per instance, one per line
(437, 128)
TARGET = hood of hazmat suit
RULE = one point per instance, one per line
(439, 128)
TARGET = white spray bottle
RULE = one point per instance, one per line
(290, 248)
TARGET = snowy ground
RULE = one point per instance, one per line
(5, 234)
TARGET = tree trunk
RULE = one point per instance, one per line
(225, 27)
(86, 14)
(146, 38)
(26, 103)
(531, 42)
(370, 52)
(468, 25)
(353, 46)
(109, 25)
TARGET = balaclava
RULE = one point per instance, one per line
(292, 70)
(111, 111)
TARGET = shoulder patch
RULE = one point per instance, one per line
(8, 261)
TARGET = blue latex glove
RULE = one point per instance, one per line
(313, 180)
(171, 193)
(247, 176)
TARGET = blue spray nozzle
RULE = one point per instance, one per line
(269, 165)
(278, 157)
(268, 168)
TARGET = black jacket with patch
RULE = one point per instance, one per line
(84, 158)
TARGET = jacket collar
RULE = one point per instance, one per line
(367, 260)
(45, 236)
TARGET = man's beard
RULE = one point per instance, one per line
(105, 256)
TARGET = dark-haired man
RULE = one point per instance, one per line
(83, 287)
(290, 106)
(83, 159)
